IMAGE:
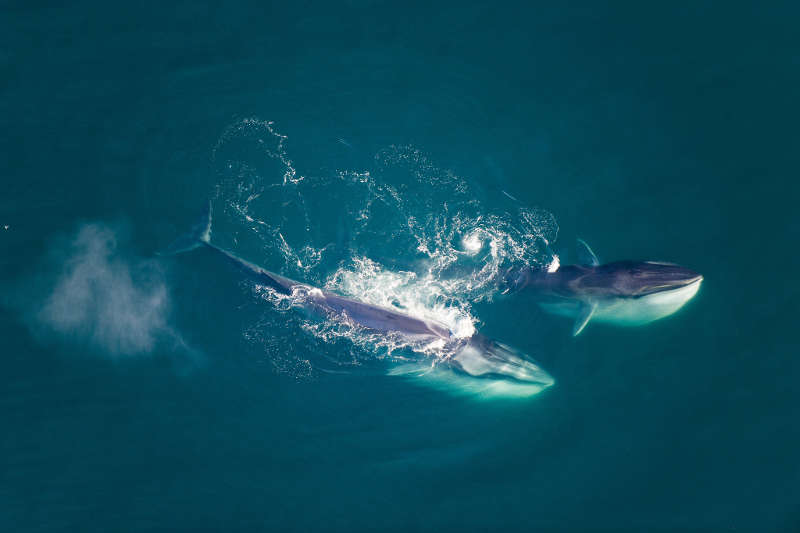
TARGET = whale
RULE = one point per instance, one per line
(476, 364)
(626, 293)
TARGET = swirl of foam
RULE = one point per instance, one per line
(404, 234)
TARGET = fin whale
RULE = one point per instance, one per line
(511, 372)
(622, 292)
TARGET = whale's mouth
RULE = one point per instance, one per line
(485, 358)
(697, 278)
(673, 285)
(459, 383)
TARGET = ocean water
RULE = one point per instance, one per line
(405, 155)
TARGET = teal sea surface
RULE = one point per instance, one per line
(407, 155)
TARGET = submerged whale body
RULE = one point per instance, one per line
(623, 292)
(476, 364)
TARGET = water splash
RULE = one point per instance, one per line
(403, 234)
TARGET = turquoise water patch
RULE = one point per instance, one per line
(407, 154)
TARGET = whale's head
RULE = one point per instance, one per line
(481, 368)
(638, 292)
(644, 278)
(484, 358)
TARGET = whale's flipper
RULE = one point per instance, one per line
(584, 315)
(586, 255)
(199, 234)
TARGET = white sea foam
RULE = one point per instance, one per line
(404, 234)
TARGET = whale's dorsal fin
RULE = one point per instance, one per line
(584, 315)
(586, 255)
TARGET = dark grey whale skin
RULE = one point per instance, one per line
(477, 355)
(619, 279)
(327, 303)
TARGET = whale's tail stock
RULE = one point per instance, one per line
(199, 234)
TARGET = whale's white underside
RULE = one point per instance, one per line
(629, 311)
(458, 383)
